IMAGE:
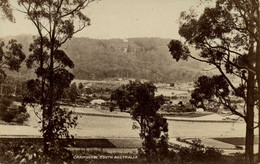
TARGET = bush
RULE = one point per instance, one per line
(9, 113)
(24, 153)
(174, 97)
(197, 153)
(177, 108)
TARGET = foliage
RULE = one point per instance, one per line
(59, 120)
(209, 88)
(140, 100)
(11, 57)
(6, 9)
(93, 62)
(177, 108)
(197, 153)
(23, 152)
(227, 36)
(56, 22)
(80, 87)
(73, 92)
(11, 113)
(62, 120)
(172, 84)
(96, 62)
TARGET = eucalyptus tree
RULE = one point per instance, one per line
(5, 6)
(56, 21)
(226, 35)
(11, 57)
(140, 101)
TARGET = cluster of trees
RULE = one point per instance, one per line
(11, 57)
(73, 92)
(96, 59)
(11, 113)
(227, 36)
(100, 59)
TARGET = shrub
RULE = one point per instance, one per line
(24, 153)
(174, 97)
(9, 113)
(197, 153)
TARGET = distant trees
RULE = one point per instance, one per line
(96, 62)
(81, 87)
(11, 113)
(226, 36)
(56, 21)
(140, 101)
(73, 92)
(11, 57)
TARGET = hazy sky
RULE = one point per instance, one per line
(120, 19)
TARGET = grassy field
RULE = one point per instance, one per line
(236, 140)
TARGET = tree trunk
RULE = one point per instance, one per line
(43, 102)
(250, 105)
(250, 120)
(258, 71)
(258, 84)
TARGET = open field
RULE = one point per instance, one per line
(96, 123)
(112, 131)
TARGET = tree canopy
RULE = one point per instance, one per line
(140, 101)
(11, 57)
(225, 35)
(56, 22)
(6, 9)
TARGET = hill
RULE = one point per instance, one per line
(145, 58)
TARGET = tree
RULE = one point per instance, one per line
(7, 11)
(56, 22)
(225, 37)
(55, 127)
(140, 101)
(208, 88)
(11, 57)
(81, 87)
(11, 113)
(73, 92)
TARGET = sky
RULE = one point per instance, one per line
(119, 19)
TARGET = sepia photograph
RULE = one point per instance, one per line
(129, 81)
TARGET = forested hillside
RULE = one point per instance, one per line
(145, 58)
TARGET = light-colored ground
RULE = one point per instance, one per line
(99, 123)
(96, 123)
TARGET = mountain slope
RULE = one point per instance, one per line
(146, 58)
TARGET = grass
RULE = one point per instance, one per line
(236, 140)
